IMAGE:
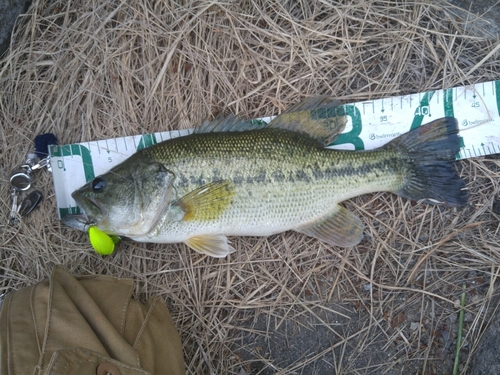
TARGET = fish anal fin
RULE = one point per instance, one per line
(214, 245)
(322, 118)
(340, 228)
(207, 202)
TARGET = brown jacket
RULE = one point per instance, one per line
(89, 325)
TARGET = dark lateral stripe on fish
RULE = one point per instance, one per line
(346, 169)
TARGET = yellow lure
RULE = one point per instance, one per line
(102, 243)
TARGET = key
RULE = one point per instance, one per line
(13, 210)
(29, 203)
(20, 180)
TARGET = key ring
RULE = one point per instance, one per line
(20, 178)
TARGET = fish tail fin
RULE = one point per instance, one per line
(431, 150)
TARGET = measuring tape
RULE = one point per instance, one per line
(370, 125)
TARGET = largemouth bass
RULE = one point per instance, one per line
(234, 177)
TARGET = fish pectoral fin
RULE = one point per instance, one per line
(215, 245)
(207, 202)
(339, 228)
(321, 117)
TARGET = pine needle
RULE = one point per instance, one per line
(460, 331)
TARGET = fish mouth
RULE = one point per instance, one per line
(96, 207)
(93, 209)
(79, 222)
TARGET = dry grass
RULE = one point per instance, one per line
(287, 304)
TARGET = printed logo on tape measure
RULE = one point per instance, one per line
(476, 122)
(374, 136)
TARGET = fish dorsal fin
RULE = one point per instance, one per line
(207, 202)
(340, 228)
(214, 245)
(229, 123)
(321, 117)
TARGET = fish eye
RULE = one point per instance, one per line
(98, 184)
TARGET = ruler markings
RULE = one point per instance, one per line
(478, 114)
